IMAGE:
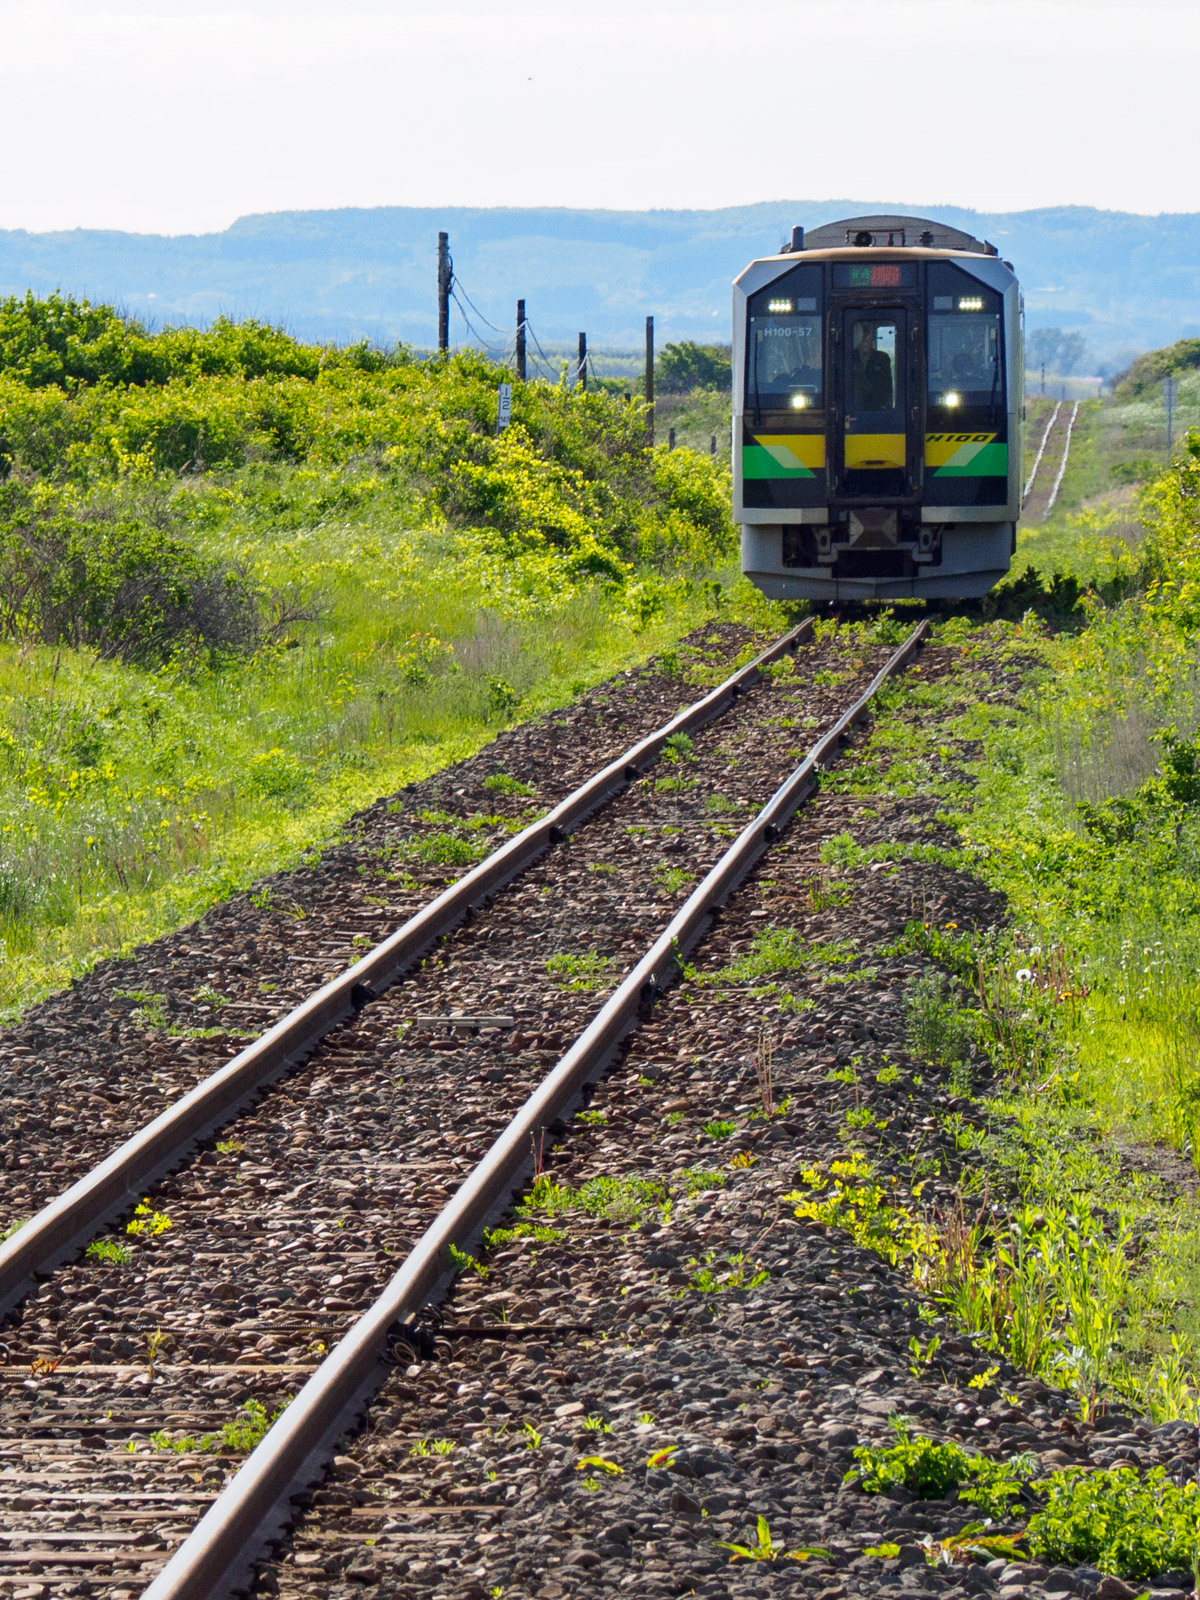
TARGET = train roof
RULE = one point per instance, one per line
(892, 233)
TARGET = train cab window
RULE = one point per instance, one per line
(965, 352)
(784, 344)
(785, 362)
(873, 363)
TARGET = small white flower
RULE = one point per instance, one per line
(1024, 975)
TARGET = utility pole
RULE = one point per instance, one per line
(581, 370)
(1043, 379)
(445, 276)
(649, 380)
(1169, 386)
(521, 340)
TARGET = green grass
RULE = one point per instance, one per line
(416, 583)
(588, 971)
(238, 1437)
(130, 802)
(616, 1199)
(696, 418)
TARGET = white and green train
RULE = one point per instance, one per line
(877, 413)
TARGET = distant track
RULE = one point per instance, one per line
(1041, 491)
(1037, 460)
(1062, 466)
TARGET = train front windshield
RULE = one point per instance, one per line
(963, 342)
(964, 357)
(785, 361)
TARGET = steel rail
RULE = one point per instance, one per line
(72, 1218)
(1037, 460)
(1062, 466)
(252, 1510)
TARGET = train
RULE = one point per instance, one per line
(878, 413)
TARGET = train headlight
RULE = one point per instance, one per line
(951, 399)
(798, 402)
(972, 302)
(779, 307)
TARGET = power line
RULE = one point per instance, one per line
(458, 284)
(492, 350)
(545, 358)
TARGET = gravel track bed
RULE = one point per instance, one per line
(288, 1224)
(472, 1479)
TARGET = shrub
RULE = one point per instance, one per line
(688, 365)
(939, 1031)
(64, 342)
(931, 1470)
(1118, 1521)
(121, 587)
(1147, 372)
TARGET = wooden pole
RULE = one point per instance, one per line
(581, 370)
(443, 280)
(649, 380)
(521, 340)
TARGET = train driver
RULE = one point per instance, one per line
(871, 385)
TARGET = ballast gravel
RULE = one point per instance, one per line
(603, 1405)
(669, 1379)
(222, 1291)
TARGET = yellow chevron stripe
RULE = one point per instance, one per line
(789, 448)
(943, 448)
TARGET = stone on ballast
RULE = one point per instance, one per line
(1114, 1588)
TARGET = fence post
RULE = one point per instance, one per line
(649, 380)
(444, 277)
(1168, 388)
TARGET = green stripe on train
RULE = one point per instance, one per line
(988, 461)
(758, 462)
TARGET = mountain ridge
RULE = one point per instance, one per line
(1126, 282)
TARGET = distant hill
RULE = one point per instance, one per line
(1125, 282)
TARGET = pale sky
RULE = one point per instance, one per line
(181, 115)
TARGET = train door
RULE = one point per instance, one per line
(869, 447)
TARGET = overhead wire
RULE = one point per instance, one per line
(507, 351)
(502, 351)
(457, 284)
(549, 365)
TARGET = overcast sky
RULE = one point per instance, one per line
(181, 115)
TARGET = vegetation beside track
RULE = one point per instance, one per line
(1072, 1033)
(247, 585)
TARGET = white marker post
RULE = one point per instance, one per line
(504, 407)
(1169, 387)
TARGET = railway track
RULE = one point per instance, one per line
(1050, 463)
(138, 1374)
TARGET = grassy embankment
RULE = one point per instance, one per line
(247, 585)
(1118, 445)
(1075, 1030)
